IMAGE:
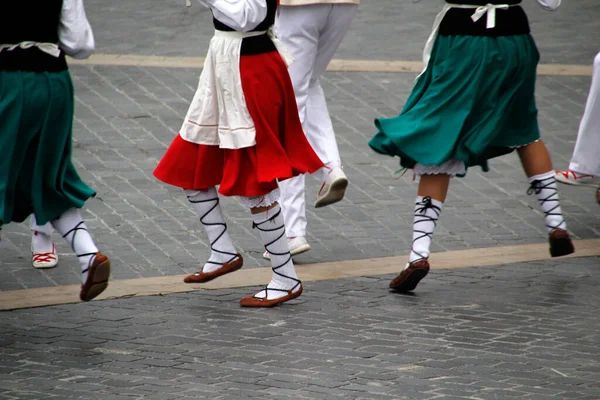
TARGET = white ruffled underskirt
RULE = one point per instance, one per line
(261, 201)
(450, 167)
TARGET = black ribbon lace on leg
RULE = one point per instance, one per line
(420, 213)
(221, 224)
(545, 184)
(287, 254)
(77, 228)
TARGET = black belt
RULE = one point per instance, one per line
(512, 21)
(33, 60)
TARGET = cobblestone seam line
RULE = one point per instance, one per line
(336, 65)
(64, 294)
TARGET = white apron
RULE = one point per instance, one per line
(480, 11)
(218, 114)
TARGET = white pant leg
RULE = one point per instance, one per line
(293, 206)
(47, 228)
(319, 130)
(298, 28)
(585, 158)
(306, 32)
(318, 126)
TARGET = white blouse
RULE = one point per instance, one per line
(75, 36)
(241, 15)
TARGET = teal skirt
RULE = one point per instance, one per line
(474, 102)
(36, 172)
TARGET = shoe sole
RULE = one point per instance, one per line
(236, 264)
(336, 192)
(561, 247)
(251, 302)
(410, 283)
(45, 265)
(298, 250)
(566, 181)
(99, 276)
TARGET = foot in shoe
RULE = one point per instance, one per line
(571, 177)
(410, 276)
(333, 188)
(218, 259)
(95, 277)
(233, 264)
(560, 243)
(43, 252)
(271, 297)
(275, 290)
(297, 245)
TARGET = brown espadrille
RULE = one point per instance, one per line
(411, 276)
(200, 277)
(560, 243)
(264, 302)
(97, 278)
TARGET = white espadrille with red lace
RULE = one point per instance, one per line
(43, 252)
(44, 260)
(571, 177)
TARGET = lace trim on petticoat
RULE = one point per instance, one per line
(450, 167)
(523, 145)
(261, 201)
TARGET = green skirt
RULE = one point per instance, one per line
(475, 101)
(36, 172)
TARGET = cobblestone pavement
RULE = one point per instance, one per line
(524, 331)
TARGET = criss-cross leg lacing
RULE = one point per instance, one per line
(72, 228)
(426, 215)
(87, 258)
(272, 233)
(207, 207)
(547, 194)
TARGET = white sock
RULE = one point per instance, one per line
(272, 235)
(73, 229)
(427, 212)
(544, 186)
(41, 243)
(206, 205)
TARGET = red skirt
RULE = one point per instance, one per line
(281, 149)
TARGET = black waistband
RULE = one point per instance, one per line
(508, 22)
(32, 59)
(257, 45)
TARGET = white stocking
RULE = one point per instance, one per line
(206, 205)
(272, 235)
(544, 186)
(73, 229)
(427, 212)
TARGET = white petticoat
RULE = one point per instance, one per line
(261, 201)
(450, 167)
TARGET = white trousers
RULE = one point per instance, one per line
(586, 158)
(312, 34)
(46, 228)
